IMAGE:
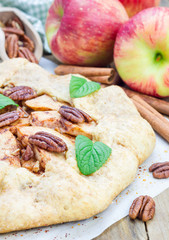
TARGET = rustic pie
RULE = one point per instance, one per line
(41, 181)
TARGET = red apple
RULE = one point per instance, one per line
(82, 32)
(134, 6)
(141, 52)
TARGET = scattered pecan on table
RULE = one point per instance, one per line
(143, 208)
(28, 153)
(160, 170)
(8, 118)
(48, 142)
(20, 93)
(17, 43)
(74, 115)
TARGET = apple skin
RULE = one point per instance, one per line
(82, 32)
(141, 52)
(134, 6)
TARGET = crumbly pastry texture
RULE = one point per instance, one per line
(61, 193)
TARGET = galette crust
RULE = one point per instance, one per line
(62, 194)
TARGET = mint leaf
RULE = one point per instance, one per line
(6, 101)
(90, 156)
(80, 87)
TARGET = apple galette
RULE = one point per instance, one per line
(67, 146)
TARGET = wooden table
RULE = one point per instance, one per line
(156, 229)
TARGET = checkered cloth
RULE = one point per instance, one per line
(35, 11)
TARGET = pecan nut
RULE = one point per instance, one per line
(11, 45)
(143, 208)
(12, 30)
(8, 118)
(74, 115)
(28, 153)
(160, 170)
(48, 142)
(24, 52)
(20, 93)
(28, 43)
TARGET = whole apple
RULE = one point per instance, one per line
(141, 52)
(134, 6)
(82, 32)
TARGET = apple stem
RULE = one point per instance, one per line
(158, 57)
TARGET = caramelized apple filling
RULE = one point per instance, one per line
(31, 149)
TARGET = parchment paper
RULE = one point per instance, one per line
(84, 230)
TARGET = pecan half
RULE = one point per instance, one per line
(27, 42)
(27, 154)
(12, 30)
(74, 115)
(160, 170)
(143, 208)
(48, 142)
(11, 45)
(26, 53)
(8, 118)
(20, 93)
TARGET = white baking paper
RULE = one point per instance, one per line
(84, 230)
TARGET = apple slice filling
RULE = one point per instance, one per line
(16, 148)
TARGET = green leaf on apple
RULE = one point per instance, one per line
(90, 156)
(6, 101)
(80, 87)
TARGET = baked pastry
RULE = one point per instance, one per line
(39, 187)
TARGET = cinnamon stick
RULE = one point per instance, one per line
(156, 120)
(160, 105)
(112, 79)
(151, 109)
(85, 71)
